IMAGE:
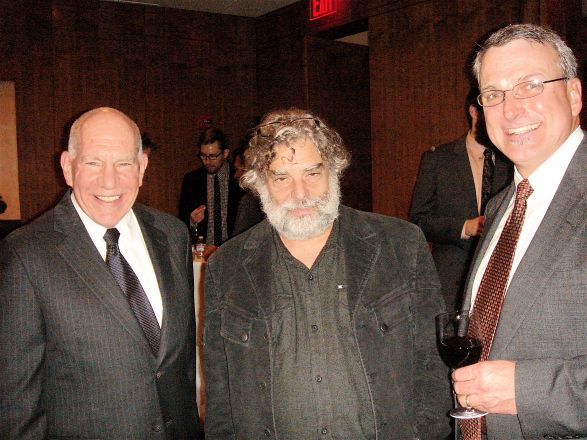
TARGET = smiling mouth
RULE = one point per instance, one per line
(108, 198)
(523, 130)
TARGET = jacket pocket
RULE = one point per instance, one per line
(236, 326)
(392, 310)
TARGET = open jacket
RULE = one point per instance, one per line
(393, 298)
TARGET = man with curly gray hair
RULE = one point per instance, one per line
(320, 319)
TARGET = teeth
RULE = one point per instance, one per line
(108, 198)
(524, 129)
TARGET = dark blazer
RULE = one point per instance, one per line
(194, 192)
(74, 361)
(444, 197)
(393, 296)
(543, 320)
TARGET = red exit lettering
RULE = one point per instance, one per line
(320, 8)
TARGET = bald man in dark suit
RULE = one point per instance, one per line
(75, 358)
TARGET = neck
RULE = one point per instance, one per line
(308, 250)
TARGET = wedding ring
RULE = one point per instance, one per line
(467, 404)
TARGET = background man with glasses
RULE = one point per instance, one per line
(528, 282)
(320, 319)
(209, 195)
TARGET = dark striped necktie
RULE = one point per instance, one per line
(132, 289)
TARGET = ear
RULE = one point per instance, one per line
(143, 162)
(67, 168)
(575, 96)
(474, 113)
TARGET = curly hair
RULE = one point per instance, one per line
(285, 127)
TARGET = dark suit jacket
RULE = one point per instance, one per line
(74, 362)
(392, 298)
(543, 320)
(194, 192)
(444, 197)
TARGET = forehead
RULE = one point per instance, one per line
(516, 60)
(301, 152)
(107, 131)
(214, 147)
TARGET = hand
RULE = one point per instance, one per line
(197, 214)
(474, 226)
(487, 386)
(209, 250)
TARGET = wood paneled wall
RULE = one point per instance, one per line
(165, 68)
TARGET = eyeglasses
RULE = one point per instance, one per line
(523, 90)
(271, 128)
(210, 156)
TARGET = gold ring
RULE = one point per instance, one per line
(467, 404)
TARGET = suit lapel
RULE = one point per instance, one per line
(166, 271)
(361, 250)
(462, 167)
(81, 255)
(557, 229)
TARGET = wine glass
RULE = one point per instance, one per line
(458, 349)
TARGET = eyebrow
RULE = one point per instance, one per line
(521, 79)
(314, 167)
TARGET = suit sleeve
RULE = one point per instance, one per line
(426, 211)
(550, 396)
(22, 350)
(218, 406)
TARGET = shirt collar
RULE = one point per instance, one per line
(547, 177)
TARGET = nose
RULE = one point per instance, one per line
(298, 189)
(512, 107)
(108, 176)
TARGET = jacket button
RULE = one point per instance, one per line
(262, 386)
(384, 328)
(158, 374)
(265, 336)
(324, 431)
(244, 337)
(157, 427)
(318, 378)
(267, 432)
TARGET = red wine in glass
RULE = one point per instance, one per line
(458, 349)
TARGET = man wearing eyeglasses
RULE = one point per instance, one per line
(320, 319)
(209, 195)
(528, 283)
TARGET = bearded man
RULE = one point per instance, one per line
(320, 319)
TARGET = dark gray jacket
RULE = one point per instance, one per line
(393, 296)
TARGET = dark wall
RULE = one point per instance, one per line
(163, 67)
(168, 67)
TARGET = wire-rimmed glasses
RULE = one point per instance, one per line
(522, 90)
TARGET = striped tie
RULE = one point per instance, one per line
(492, 290)
(132, 289)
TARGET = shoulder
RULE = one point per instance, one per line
(385, 227)
(194, 175)
(159, 219)
(448, 148)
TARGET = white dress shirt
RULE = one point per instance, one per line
(132, 246)
(545, 181)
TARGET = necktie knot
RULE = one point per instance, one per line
(524, 190)
(111, 236)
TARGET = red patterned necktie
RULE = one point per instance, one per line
(492, 290)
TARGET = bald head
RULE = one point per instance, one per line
(104, 164)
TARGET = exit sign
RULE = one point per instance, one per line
(321, 8)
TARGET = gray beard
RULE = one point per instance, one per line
(306, 226)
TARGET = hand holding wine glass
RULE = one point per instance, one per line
(458, 349)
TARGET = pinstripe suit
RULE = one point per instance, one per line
(74, 362)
